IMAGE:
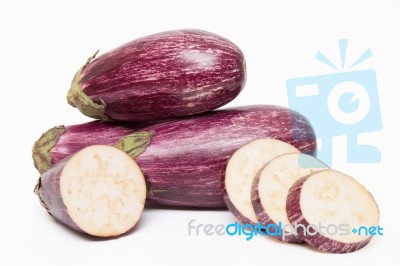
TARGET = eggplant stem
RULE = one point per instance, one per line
(37, 187)
(91, 58)
(77, 98)
(36, 190)
(136, 143)
(152, 191)
(41, 151)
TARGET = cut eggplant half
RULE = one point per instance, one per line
(99, 190)
(241, 170)
(270, 189)
(334, 209)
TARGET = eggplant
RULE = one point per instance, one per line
(60, 141)
(330, 199)
(99, 190)
(241, 170)
(270, 189)
(169, 74)
(184, 160)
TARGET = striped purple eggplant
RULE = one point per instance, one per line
(184, 160)
(61, 141)
(169, 74)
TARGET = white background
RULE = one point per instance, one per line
(43, 43)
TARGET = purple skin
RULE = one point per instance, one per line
(66, 140)
(186, 158)
(317, 241)
(48, 190)
(169, 74)
(263, 217)
(77, 137)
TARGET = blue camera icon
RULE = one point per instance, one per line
(344, 103)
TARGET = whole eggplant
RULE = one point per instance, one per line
(184, 160)
(169, 74)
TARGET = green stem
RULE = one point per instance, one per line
(136, 143)
(41, 151)
(77, 98)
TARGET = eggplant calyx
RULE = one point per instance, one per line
(41, 151)
(36, 190)
(136, 143)
(77, 98)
